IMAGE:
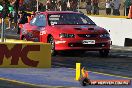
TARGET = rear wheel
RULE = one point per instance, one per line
(104, 53)
(51, 41)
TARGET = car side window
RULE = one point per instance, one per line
(33, 21)
(41, 20)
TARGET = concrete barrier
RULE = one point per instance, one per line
(120, 28)
(25, 54)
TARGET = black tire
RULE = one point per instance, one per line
(104, 53)
(51, 41)
(24, 39)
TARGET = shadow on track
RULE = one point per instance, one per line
(112, 54)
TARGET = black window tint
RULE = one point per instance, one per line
(69, 19)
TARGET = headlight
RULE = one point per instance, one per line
(105, 35)
(64, 35)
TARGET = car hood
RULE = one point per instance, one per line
(78, 29)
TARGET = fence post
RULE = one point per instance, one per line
(2, 31)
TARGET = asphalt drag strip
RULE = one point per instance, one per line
(119, 61)
(53, 77)
(5, 83)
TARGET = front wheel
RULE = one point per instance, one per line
(51, 41)
(104, 53)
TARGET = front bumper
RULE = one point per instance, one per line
(72, 44)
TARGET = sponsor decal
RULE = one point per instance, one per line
(42, 32)
(18, 52)
(110, 82)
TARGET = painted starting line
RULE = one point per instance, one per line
(54, 77)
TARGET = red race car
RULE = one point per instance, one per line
(67, 31)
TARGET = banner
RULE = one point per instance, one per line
(21, 55)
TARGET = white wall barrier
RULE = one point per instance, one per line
(120, 28)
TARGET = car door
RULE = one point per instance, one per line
(41, 24)
(35, 26)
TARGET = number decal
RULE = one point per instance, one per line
(42, 32)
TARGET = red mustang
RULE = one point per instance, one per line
(67, 31)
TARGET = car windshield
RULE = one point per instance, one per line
(69, 19)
